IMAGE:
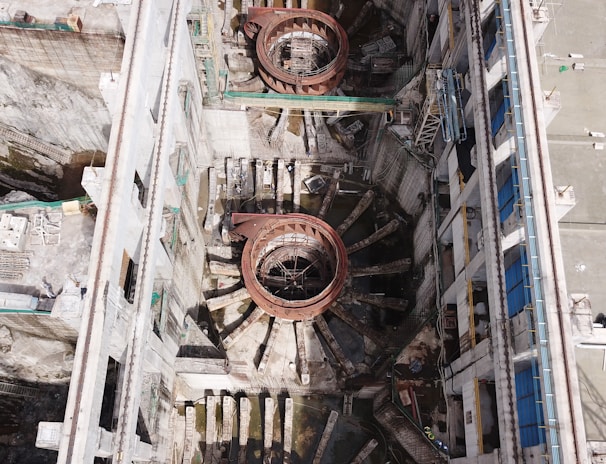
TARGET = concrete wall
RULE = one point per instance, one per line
(78, 59)
(49, 90)
(42, 326)
(400, 175)
(49, 85)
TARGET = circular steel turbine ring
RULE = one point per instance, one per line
(293, 266)
(299, 51)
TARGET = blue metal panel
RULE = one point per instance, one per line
(499, 117)
(530, 417)
(518, 295)
(491, 48)
(506, 199)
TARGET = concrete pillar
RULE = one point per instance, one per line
(212, 198)
(228, 421)
(330, 425)
(244, 428)
(226, 29)
(190, 426)
(229, 179)
(348, 404)
(551, 105)
(287, 436)
(211, 427)
(268, 429)
(259, 185)
(362, 206)
(383, 232)
(310, 133)
(280, 186)
(502, 345)
(296, 188)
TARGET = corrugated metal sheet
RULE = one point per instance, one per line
(506, 198)
(518, 295)
(530, 417)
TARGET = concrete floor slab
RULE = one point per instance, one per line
(577, 27)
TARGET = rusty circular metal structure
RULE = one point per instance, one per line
(294, 266)
(300, 51)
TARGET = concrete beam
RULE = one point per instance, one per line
(224, 269)
(271, 343)
(330, 195)
(302, 352)
(365, 451)
(360, 327)
(224, 300)
(330, 425)
(394, 267)
(362, 206)
(334, 346)
(379, 301)
(383, 232)
(302, 102)
(257, 314)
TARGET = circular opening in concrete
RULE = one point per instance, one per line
(295, 266)
(302, 52)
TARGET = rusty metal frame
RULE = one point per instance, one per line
(263, 231)
(265, 26)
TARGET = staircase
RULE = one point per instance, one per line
(404, 431)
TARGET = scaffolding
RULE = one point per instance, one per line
(452, 118)
(200, 25)
(429, 121)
